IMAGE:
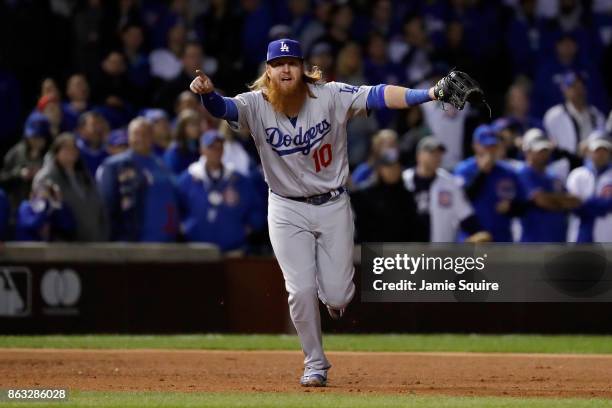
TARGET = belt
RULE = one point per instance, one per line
(318, 199)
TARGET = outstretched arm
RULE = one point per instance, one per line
(397, 97)
(456, 88)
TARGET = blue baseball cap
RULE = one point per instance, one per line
(485, 135)
(118, 137)
(284, 48)
(37, 125)
(209, 137)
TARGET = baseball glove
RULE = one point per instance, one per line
(457, 88)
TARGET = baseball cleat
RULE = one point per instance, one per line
(313, 380)
(335, 314)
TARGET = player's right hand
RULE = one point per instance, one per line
(201, 84)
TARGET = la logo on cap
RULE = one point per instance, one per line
(284, 47)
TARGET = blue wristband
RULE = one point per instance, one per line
(417, 96)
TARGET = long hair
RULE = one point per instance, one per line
(65, 139)
(180, 132)
(312, 76)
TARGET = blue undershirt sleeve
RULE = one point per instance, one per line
(219, 106)
(376, 97)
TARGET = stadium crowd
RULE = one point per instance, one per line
(104, 141)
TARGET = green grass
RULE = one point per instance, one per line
(333, 342)
(298, 400)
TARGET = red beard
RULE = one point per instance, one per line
(283, 98)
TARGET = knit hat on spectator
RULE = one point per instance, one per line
(37, 125)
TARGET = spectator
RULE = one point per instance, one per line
(44, 217)
(510, 136)
(455, 52)
(412, 51)
(162, 132)
(571, 122)
(49, 105)
(441, 205)
(492, 186)
(386, 211)
(545, 219)
(92, 131)
(234, 153)
(412, 126)
(184, 148)
(593, 180)
(117, 142)
(114, 91)
(378, 68)
(218, 204)
(138, 70)
(166, 62)
(349, 65)
(382, 18)
(23, 161)
(139, 191)
(192, 59)
(384, 145)
(518, 107)
(78, 190)
(551, 77)
(48, 87)
(77, 91)
(187, 100)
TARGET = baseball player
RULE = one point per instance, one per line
(299, 124)
(593, 180)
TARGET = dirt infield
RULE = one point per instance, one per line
(467, 374)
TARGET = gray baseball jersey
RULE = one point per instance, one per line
(306, 156)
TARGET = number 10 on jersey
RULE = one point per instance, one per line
(322, 157)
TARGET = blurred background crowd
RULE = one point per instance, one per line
(102, 141)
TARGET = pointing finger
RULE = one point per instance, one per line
(200, 74)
